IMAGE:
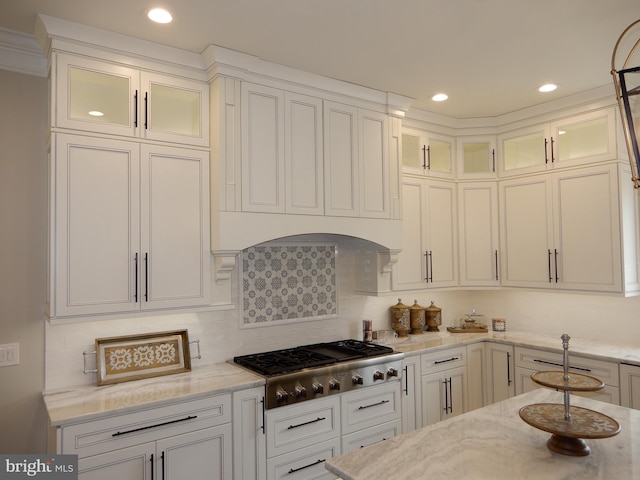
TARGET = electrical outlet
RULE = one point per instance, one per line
(9, 354)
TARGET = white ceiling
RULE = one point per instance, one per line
(488, 55)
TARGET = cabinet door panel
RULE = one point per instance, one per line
(588, 245)
(133, 463)
(409, 271)
(341, 160)
(374, 168)
(97, 225)
(262, 149)
(303, 153)
(175, 226)
(432, 398)
(630, 386)
(526, 232)
(441, 240)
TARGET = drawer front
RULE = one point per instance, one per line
(443, 360)
(542, 360)
(370, 406)
(369, 436)
(304, 464)
(302, 425)
(148, 425)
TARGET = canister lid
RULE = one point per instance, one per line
(433, 308)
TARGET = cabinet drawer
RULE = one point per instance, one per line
(304, 464)
(298, 426)
(98, 436)
(370, 406)
(542, 360)
(371, 435)
(443, 360)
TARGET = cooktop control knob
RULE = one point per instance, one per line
(317, 387)
(334, 384)
(282, 395)
(392, 372)
(300, 391)
(378, 375)
(357, 379)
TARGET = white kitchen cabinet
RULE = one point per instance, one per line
(110, 98)
(429, 255)
(547, 239)
(411, 394)
(249, 440)
(500, 372)
(427, 153)
(444, 384)
(130, 228)
(478, 234)
(356, 162)
(566, 142)
(630, 385)
(476, 157)
(186, 440)
(529, 361)
(477, 375)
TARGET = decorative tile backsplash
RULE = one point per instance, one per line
(288, 282)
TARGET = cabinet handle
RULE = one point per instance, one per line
(496, 254)
(426, 265)
(446, 397)
(555, 259)
(294, 470)
(552, 156)
(428, 158)
(152, 465)
(263, 415)
(382, 402)
(136, 279)
(424, 157)
(546, 362)
(146, 277)
(493, 160)
(450, 395)
(146, 110)
(135, 110)
(546, 157)
(430, 266)
(319, 419)
(406, 380)
(549, 264)
(190, 417)
(437, 362)
(162, 463)
(508, 369)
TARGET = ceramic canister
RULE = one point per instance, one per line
(400, 318)
(417, 322)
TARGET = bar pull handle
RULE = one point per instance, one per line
(424, 157)
(135, 285)
(170, 422)
(450, 395)
(426, 265)
(382, 402)
(546, 157)
(162, 463)
(583, 369)
(508, 369)
(431, 266)
(553, 159)
(135, 109)
(549, 264)
(555, 259)
(146, 277)
(446, 396)
(496, 256)
(437, 362)
(406, 380)
(263, 416)
(493, 160)
(319, 419)
(428, 158)
(146, 110)
(152, 465)
(294, 470)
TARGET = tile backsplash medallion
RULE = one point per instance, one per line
(288, 282)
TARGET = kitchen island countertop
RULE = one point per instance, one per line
(495, 443)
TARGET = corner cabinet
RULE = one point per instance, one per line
(548, 241)
(630, 385)
(426, 153)
(130, 227)
(429, 256)
(111, 98)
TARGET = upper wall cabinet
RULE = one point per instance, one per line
(109, 98)
(476, 157)
(568, 142)
(425, 153)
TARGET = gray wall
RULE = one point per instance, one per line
(23, 259)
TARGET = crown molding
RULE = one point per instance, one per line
(20, 52)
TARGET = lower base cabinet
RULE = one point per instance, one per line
(529, 361)
(249, 440)
(630, 385)
(185, 440)
(500, 372)
(411, 395)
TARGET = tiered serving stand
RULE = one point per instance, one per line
(569, 425)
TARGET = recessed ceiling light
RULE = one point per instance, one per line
(159, 15)
(96, 113)
(439, 97)
(549, 87)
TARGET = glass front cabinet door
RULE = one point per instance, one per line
(103, 97)
(424, 153)
(476, 157)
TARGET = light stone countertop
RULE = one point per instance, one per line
(494, 443)
(69, 405)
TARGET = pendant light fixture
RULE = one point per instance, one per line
(626, 79)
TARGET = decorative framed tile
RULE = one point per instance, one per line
(284, 283)
(132, 357)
